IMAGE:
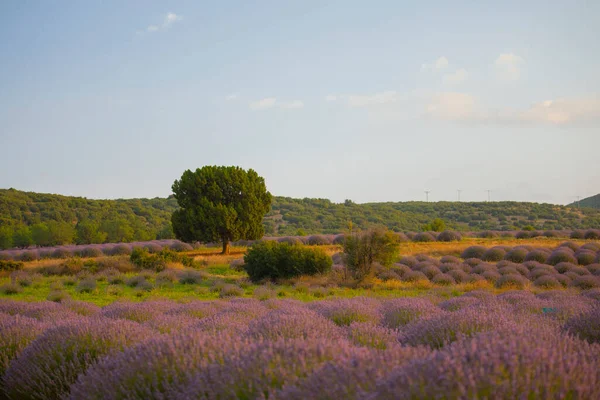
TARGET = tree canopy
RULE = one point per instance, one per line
(220, 203)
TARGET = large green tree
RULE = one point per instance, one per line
(220, 204)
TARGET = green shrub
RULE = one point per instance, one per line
(190, 277)
(142, 259)
(230, 290)
(7, 265)
(273, 260)
(87, 285)
(58, 296)
(363, 249)
(10, 288)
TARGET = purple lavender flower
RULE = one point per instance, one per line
(51, 363)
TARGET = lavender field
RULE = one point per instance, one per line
(478, 345)
(514, 320)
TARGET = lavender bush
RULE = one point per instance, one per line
(52, 362)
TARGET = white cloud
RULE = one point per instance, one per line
(292, 105)
(440, 63)
(169, 20)
(563, 111)
(452, 106)
(263, 104)
(330, 97)
(390, 96)
(457, 77)
(508, 66)
(455, 106)
(232, 96)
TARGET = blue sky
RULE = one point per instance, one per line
(374, 101)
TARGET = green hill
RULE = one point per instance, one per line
(48, 219)
(319, 215)
(590, 202)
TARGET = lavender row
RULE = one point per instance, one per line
(97, 250)
(93, 250)
(505, 267)
(514, 345)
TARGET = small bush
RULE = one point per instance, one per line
(152, 248)
(473, 252)
(577, 234)
(443, 279)
(458, 275)
(595, 247)
(430, 271)
(559, 256)
(487, 234)
(91, 252)
(237, 264)
(339, 239)
(134, 281)
(86, 285)
(564, 280)
(120, 250)
(181, 246)
(592, 234)
(494, 254)
(62, 253)
(290, 240)
(511, 281)
(585, 326)
(319, 240)
(547, 282)
(264, 293)
(30, 255)
(6, 265)
(10, 288)
(569, 245)
(364, 249)
(423, 237)
(415, 276)
(586, 282)
(586, 257)
(411, 261)
(190, 277)
(449, 260)
(272, 260)
(536, 255)
(593, 268)
(449, 236)
(58, 296)
(473, 262)
(491, 276)
(516, 255)
(229, 290)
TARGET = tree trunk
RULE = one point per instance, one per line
(225, 247)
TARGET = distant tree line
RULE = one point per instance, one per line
(48, 220)
(38, 219)
(307, 216)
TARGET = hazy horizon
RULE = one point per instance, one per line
(324, 99)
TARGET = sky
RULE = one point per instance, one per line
(369, 101)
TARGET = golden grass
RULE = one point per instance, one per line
(456, 248)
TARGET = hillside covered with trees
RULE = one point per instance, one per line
(589, 202)
(320, 215)
(28, 218)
